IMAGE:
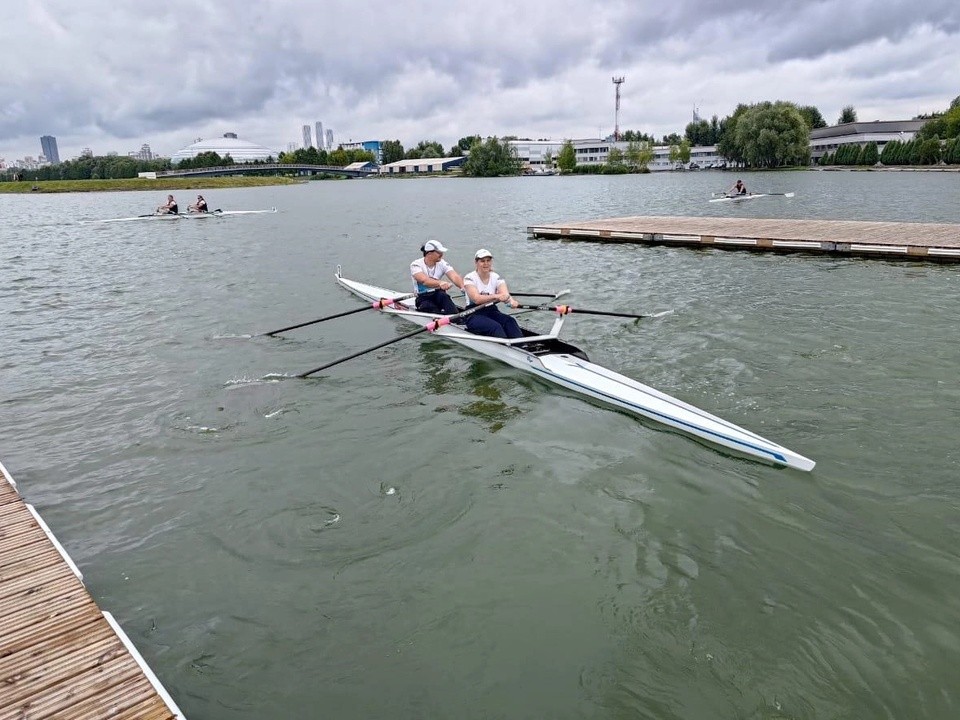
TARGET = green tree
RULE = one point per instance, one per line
(671, 139)
(492, 158)
(464, 144)
(767, 135)
(727, 145)
(847, 115)
(639, 154)
(615, 156)
(952, 154)
(634, 135)
(944, 125)
(392, 151)
(869, 155)
(338, 157)
(567, 160)
(425, 149)
(889, 152)
(812, 117)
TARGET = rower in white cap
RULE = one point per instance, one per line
(428, 273)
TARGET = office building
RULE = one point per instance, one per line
(321, 139)
(50, 152)
(329, 142)
(307, 141)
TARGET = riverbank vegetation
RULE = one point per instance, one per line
(142, 184)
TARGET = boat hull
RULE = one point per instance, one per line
(739, 198)
(556, 362)
(181, 216)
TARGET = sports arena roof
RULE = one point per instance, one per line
(240, 150)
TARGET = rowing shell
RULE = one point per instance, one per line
(558, 362)
(182, 216)
(740, 198)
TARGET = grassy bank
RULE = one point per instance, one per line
(160, 184)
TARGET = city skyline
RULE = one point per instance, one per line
(539, 70)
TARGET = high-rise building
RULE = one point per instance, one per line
(321, 138)
(86, 152)
(307, 142)
(50, 152)
(329, 139)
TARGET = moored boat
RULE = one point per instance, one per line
(548, 357)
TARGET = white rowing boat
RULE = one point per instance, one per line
(558, 362)
(749, 196)
(181, 216)
(739, 198)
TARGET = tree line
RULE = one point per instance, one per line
(761, 135)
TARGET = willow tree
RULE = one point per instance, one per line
(770, 135)
(492, 158)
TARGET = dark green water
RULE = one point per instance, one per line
(423, 533)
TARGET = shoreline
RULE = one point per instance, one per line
(26, 187)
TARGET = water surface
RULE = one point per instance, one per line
(422, 532)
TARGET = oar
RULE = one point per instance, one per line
(566, 309)
(546, 295)
(378, 305)
(784, 194)
(430, 327)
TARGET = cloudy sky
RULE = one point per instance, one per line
(112, 76)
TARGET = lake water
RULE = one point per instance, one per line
(425, 533)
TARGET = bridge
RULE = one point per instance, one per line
(269, 168)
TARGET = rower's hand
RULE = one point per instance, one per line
(444, 286)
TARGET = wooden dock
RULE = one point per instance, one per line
(60, 656)
(843, 238)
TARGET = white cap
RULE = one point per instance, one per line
(483, 253)
(433, 245)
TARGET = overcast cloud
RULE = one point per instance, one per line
(112, 76)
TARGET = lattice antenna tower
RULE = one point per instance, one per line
(617, 81)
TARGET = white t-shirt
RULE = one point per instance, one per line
(434, 273)
(485, 288)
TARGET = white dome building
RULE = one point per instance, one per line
(241, 151)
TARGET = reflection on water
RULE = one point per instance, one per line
(454, 371)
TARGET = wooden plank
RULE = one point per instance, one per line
(12, 590)
(35, 557)
(59, 671)
(132, 699)
(63, 621)
(63, 685)
(24, 545)
(48, 604)
(52, 647)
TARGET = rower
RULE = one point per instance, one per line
(738, 189)
(200, 206)
(486, 288)
(428, 273)
(169, 207)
